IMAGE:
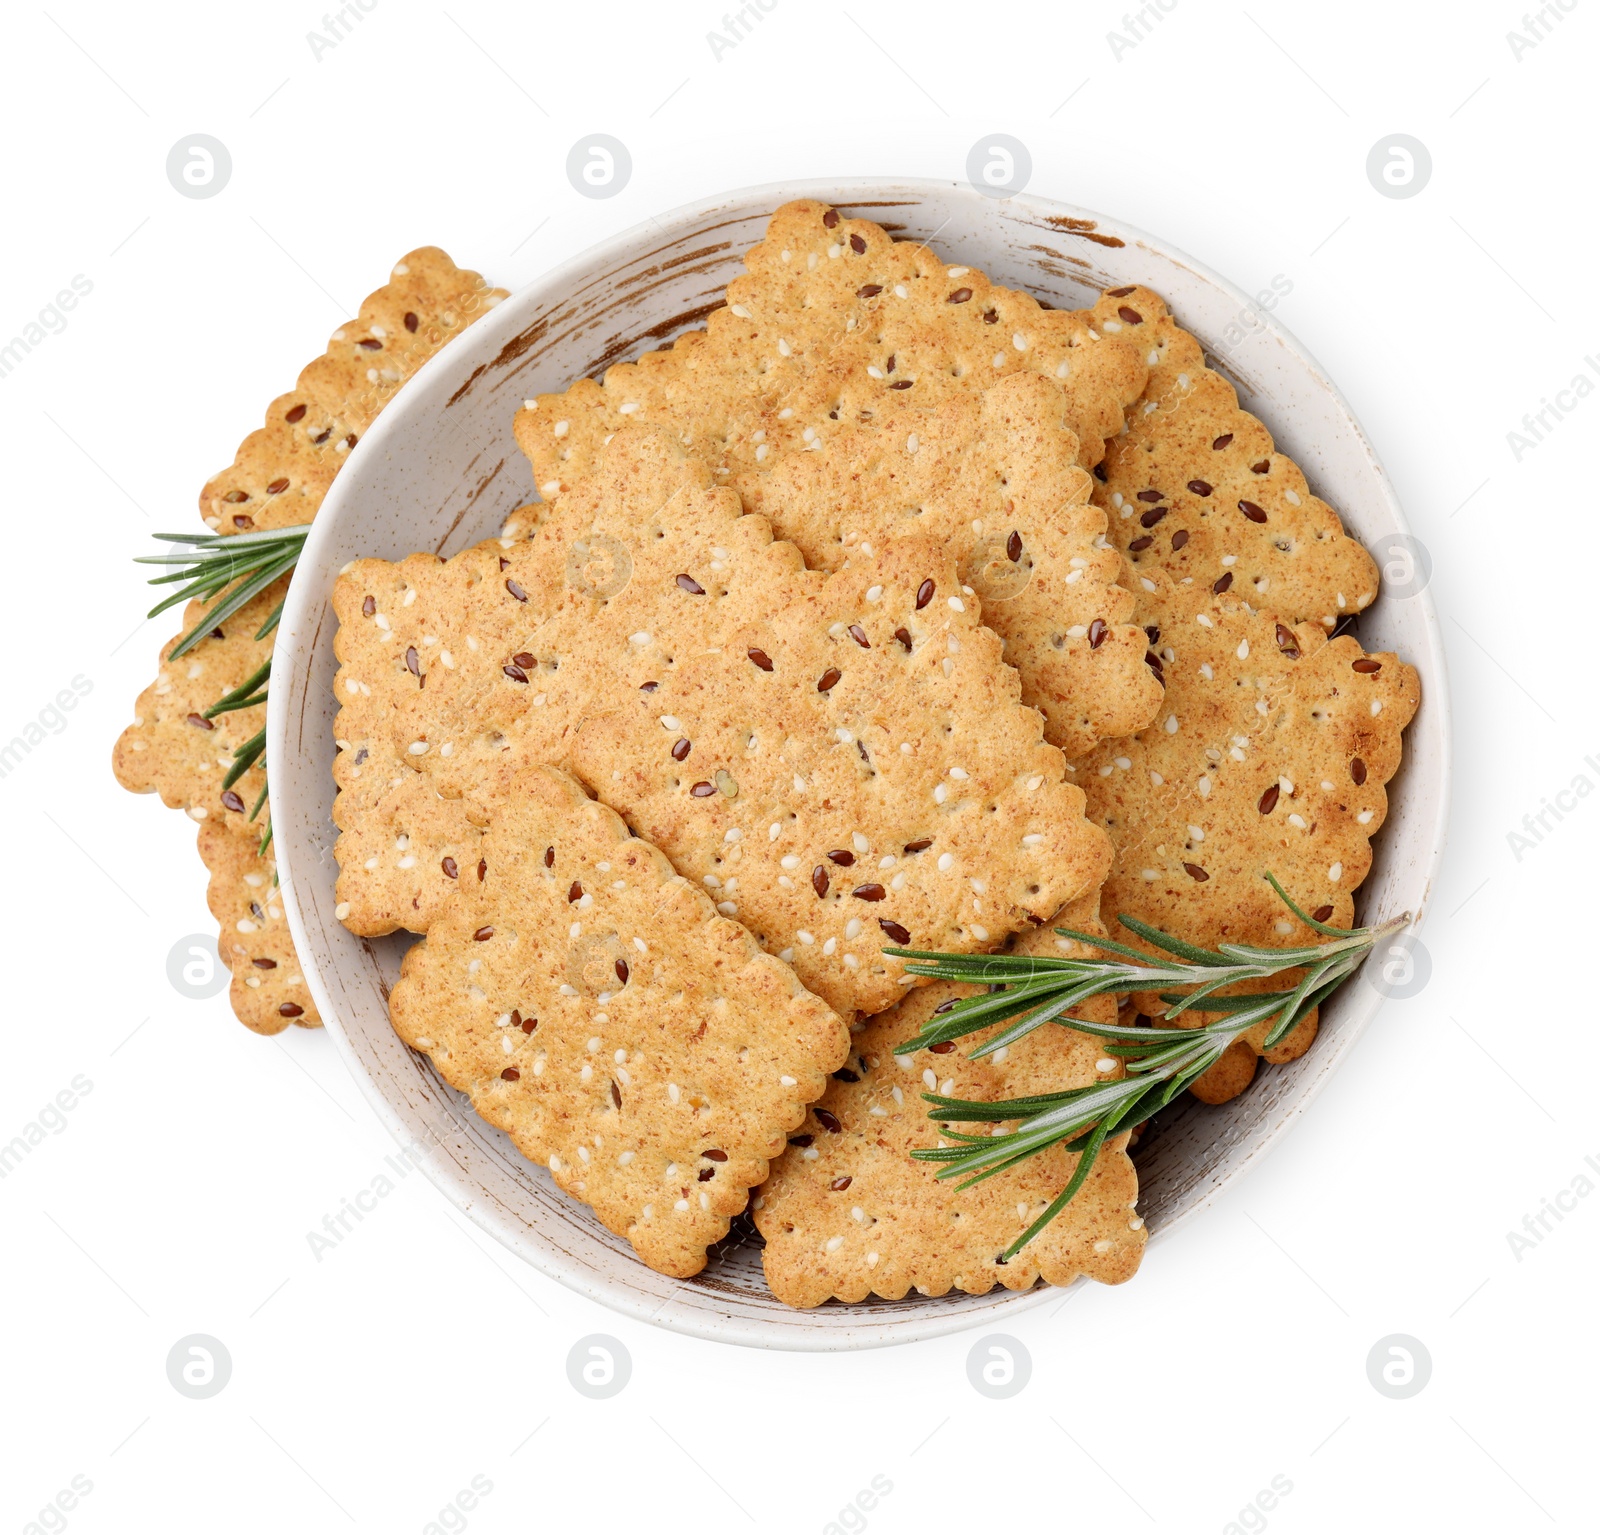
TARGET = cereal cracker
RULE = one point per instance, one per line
(837, 757)
(994, 474)
(1195, 489)
(596, 1008)
(847, 1212)
(268, 991)
(278, 478)
(819, 282)
(1271, 755)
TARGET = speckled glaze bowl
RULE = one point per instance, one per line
(440, 470)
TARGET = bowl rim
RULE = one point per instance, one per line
(302, 613)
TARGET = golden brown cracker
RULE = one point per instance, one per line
(1194, 487)
(283, 469)
(445, 663)
(816, 282)
(847, 1212)
(995, 476)
(859, 770)
(277, 479)
(269, 991)
(171, 749)
(740, 710)
(1271, 755)
(596, 1008)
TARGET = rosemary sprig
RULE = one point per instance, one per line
(245, 695)
(213, 562)
(1161, 1062)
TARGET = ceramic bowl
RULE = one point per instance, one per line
(440, 470)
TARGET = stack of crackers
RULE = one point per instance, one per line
(892, 609)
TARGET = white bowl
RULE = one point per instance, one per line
(439, 470)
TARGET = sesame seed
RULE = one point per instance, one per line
(946, 862)
(1335, 872)
(1102, 1246)
(786, 1081)
(342, 910)
(833, 1244)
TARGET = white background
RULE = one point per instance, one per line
(369, 1388)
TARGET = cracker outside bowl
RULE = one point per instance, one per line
(440, 470)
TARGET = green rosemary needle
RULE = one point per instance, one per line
(1161, 1062)
(214, 562)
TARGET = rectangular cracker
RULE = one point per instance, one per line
(993, 473)
(283, 469)
(268, 991)
(1214, 523)
(851, 751)
(596, 1008)
(1271, 755)
(847, 1212)
(1194, 488)
(819, 282)
(278, 478)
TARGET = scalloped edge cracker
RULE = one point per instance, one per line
(269, 990)
(1272, 753)
(847, 1213)
(839, 757)
(995, 475)
(278, 477)
(596, 1008)
(1194, 487)
(818, 280)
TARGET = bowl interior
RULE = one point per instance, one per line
(440, 470)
